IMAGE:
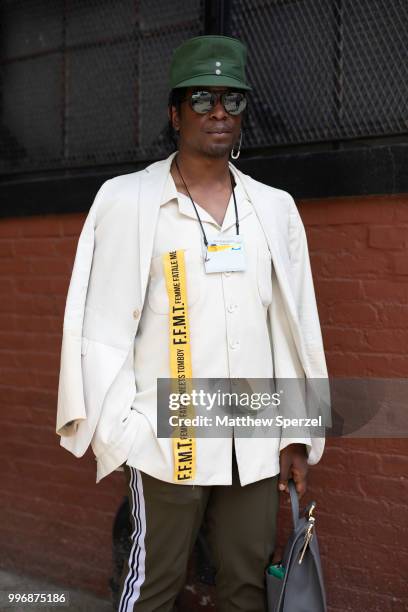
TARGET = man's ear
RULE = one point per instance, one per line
(174, 118)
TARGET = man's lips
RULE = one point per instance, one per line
(220, 131)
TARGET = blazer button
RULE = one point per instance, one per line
(136, 314)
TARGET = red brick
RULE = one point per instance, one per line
(356, 599)
(8, 360)
(60, 303)
(367, 364)
(47, 286)
(393, 316)
(350, 210)
(340, 338)
(388, 237)
(23, 395)
(400, 263)
(66, 247)
(401, 212)
(10, 228)
(48, 266)
(78, 495)
(386, 487)
(37, 323)
(16, 303)
(355, 313)
(394, 465)
(29, 362)
(386, 290)
(391, 583)
(6, 248)
(349, 237)
(16, 340)
(63, 509)
(6, 286)
(34, 247)
(48, 380)
(71, 225)
(319, 262)
(376, 533)
(334, 290)
(15, 266)
(383, 446)
(351, 265)
(79, 542)
(41, 225)
(8, 321)
(55, 455)
(387, 340)
(43, 305)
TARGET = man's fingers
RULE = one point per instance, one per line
(285, 464)
(283, 486)
(293, 465)
(299, 475)
(277, 555)
(301, 488)
(300, 478)
(284, 474)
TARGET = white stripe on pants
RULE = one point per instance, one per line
(137, 557)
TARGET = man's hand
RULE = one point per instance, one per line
(293, 464)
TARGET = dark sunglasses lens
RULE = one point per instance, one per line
(234, 102)
(201, 101)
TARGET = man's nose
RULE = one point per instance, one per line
(218, 110)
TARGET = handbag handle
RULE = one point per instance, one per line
(294, 500)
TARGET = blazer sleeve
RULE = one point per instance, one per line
(317, 389)
(71, 404)
(304, 293)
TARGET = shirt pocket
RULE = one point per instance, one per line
(157, 298)
(264, 276)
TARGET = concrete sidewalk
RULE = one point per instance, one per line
(79, 601)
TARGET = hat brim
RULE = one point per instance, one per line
(213, 80)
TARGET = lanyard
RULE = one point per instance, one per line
(195, 208)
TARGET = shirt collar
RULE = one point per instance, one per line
(185, 207)
(170, 191)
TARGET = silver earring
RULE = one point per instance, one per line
(235, 155)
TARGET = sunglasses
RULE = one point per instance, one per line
(201, 101)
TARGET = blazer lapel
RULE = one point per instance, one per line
(265, 212)
(153, 182)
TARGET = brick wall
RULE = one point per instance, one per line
(358, 250)
(56, 522)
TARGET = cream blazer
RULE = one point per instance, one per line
(106, 297)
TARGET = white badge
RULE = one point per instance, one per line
(225, 255)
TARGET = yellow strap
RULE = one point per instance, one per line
(184, 444)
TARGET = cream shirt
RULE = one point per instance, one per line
(228, 332)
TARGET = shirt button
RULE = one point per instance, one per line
(136, 314)
(227, 274)
(234, 344)
(231, 307)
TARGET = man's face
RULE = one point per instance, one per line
(213, 134)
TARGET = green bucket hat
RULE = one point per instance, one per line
(211, 61)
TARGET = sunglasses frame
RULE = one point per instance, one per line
(215, 98)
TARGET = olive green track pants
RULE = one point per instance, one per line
(166, 518)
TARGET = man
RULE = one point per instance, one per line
(235, 251)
